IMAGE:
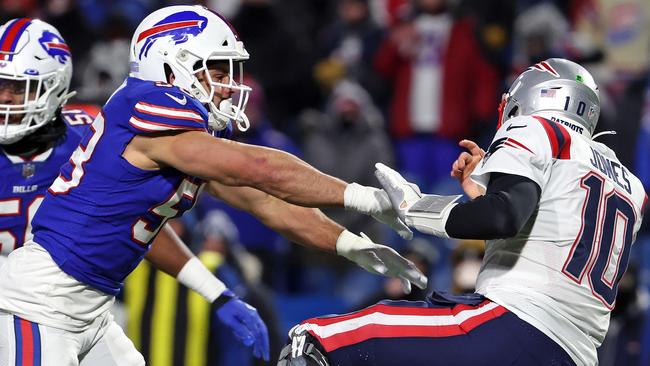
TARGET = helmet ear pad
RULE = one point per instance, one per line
(513, 112)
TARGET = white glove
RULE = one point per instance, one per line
(376, 203)
(379, 259)
(427, 213)
(401, 193)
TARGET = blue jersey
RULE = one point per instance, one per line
(100, 215)
(25, 181)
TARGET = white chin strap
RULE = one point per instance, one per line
(603, 133)
(218, 119)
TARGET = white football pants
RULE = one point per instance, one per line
(48, 318)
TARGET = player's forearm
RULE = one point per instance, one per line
(305, 226)
(168, 253)
(292, 180)
(269, 170)
(302, 225)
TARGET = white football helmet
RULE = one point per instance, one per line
(35, 61)
(185, 38)
(558, 88)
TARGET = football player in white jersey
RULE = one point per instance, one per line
(559, 213)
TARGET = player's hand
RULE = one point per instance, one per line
(465, 165)
(244, 322)
(376, 203)
(379, 259)
(401, 193)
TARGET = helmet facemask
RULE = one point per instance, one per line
(35, 108)
(233, 77)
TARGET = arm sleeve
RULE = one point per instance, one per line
(509, 202)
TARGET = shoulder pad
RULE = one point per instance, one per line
(165, 108)
(558, 137)
(535, 132)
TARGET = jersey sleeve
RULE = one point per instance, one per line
(166, 109)
(524, 146)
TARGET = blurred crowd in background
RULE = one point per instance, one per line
(347, 83)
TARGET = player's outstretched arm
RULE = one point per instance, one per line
(272, 171)
(235, 164)
(169, 254)
(310, 227)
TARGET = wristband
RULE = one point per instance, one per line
(346, 242)
(360, 199)
(196, 277)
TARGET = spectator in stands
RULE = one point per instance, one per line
(107, 62)
(345, 140)
(440, 93)
(281, 64)
(351, 40)
(466, 259)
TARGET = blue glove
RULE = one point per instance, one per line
(244, 322)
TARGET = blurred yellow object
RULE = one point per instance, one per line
(495, 36)
(328, 72)
(155, 323)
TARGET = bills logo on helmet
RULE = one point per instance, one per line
(55, 46)
(544, 67)
(179, 27)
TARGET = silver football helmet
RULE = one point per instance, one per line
(556, 87)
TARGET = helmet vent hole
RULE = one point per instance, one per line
(513, 111)
(168, 72)
(225, 43)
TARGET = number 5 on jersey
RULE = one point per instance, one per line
(143, 231)
(12, 207)
(80, 156)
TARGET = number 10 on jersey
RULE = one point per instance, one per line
(602, 248)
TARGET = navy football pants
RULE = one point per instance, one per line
(443, 330)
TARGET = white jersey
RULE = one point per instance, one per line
(561, 272)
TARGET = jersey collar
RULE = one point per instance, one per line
(17, 159)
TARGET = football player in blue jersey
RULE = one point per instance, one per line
(31, 94)
(38, 136)
(158, 141)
